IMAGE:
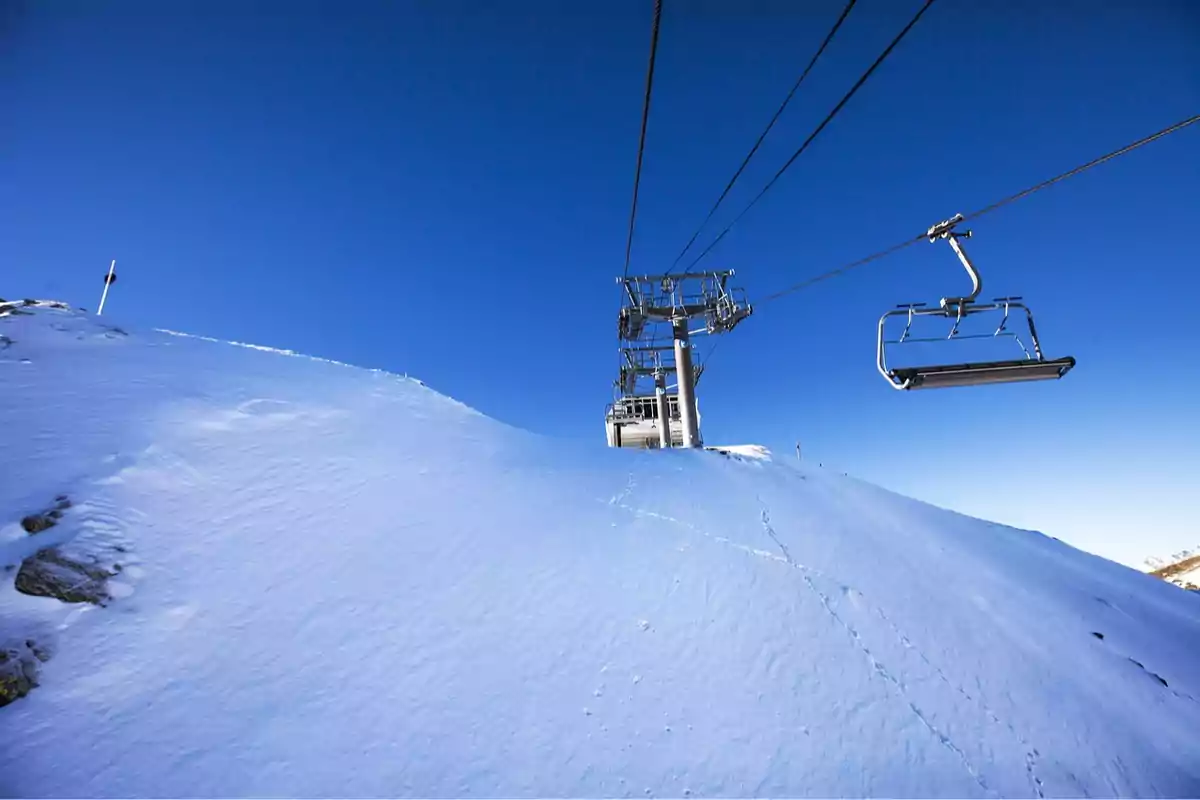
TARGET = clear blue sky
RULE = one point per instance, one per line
(441, 188)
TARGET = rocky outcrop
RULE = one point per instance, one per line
(73, 571)
(36, 523)
(51, 573)
(20, 663)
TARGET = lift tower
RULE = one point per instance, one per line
(687, 304)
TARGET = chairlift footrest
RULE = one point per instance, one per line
(978, 373)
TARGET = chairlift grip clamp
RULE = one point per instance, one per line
(945, 228)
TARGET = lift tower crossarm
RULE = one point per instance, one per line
(668, 298)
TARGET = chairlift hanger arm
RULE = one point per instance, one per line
(945, 230)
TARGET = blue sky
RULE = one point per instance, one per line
(442, 189)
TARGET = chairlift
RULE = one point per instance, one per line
(1032, 367)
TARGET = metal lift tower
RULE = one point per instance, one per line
(686, 304)
(646, 411)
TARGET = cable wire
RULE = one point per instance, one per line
(829, 118)
(1083, 167)
(762, 136)
(637, 174)
(989, 208)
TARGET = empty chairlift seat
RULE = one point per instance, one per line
(1033, 367)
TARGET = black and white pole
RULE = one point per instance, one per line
(108, 281)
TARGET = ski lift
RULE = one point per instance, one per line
(1034, 366)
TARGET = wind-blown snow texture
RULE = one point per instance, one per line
(338, 582)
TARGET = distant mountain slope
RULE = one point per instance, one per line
(293, 577)
(1182, 569)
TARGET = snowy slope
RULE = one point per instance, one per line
(335, 581)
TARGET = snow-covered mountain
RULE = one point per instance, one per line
(293, 577)
(1181, 569)
(1158, 562)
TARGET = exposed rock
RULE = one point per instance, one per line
(36, 523)
(19, 667)
(50, 573)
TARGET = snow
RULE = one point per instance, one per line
(1190, 576)
(338, 582)
(746, 450)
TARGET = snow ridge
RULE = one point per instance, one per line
(321, 580)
